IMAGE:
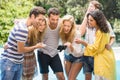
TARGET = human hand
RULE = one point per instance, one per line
(78, 41)
(91, 7)
(107, 46)
(68, 44)
(61, 47)
(40, 45)
(5, 46)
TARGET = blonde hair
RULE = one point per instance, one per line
(35, 36)
(67, 37)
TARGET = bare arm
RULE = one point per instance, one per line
(79, 41)
(68, 44)
(112, 40)
(84, 22)
(24, 49)
(112, 37)
(108, 46)
(83, 26)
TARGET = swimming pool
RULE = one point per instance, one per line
(80, 76)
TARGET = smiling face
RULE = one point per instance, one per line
(91, 21)
(67, 26)
(42, 26)
(40, 18)
(53, 20)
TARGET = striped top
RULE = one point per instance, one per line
(18, 34)
(51, 39)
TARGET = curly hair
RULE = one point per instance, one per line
(100, 19)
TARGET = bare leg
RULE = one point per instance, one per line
(60, 76)
(44, 76)
(88, 76)
(67, 67)
(75, 69)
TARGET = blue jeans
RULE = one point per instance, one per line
(10, 70)
(88, 64)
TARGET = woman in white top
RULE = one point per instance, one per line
(73, 54)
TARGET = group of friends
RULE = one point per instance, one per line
(45, 34)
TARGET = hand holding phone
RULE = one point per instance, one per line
(61, 47)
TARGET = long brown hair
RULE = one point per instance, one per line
(100, 19)
(35, 36)
(71, 34)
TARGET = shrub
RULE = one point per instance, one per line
(116, 26)
(10, 10)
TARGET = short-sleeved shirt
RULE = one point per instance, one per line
(18, 34)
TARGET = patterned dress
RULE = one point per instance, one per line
(29, 65)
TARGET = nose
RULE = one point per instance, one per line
(55, 21)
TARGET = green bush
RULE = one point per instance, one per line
(116, 26)
(9, 11)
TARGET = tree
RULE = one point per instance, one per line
(10, 10)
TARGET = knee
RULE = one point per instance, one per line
(45, 77)
(60, 77)
(88, 77)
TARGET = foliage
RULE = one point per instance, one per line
(117, 26)
(73, 7)
(10, 10)
(111, 8)
(77, 9)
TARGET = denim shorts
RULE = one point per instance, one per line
(45, 61)
(10, 70)
(88, 65)
(72, 59)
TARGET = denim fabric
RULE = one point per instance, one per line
(10, 70)
(88, 64)
(72, 59)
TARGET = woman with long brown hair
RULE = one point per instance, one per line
(35, 34)
(104, 60)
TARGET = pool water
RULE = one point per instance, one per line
(81, 75)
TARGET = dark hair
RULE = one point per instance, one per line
(36, 11)
(100, 19)
(54, 11)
